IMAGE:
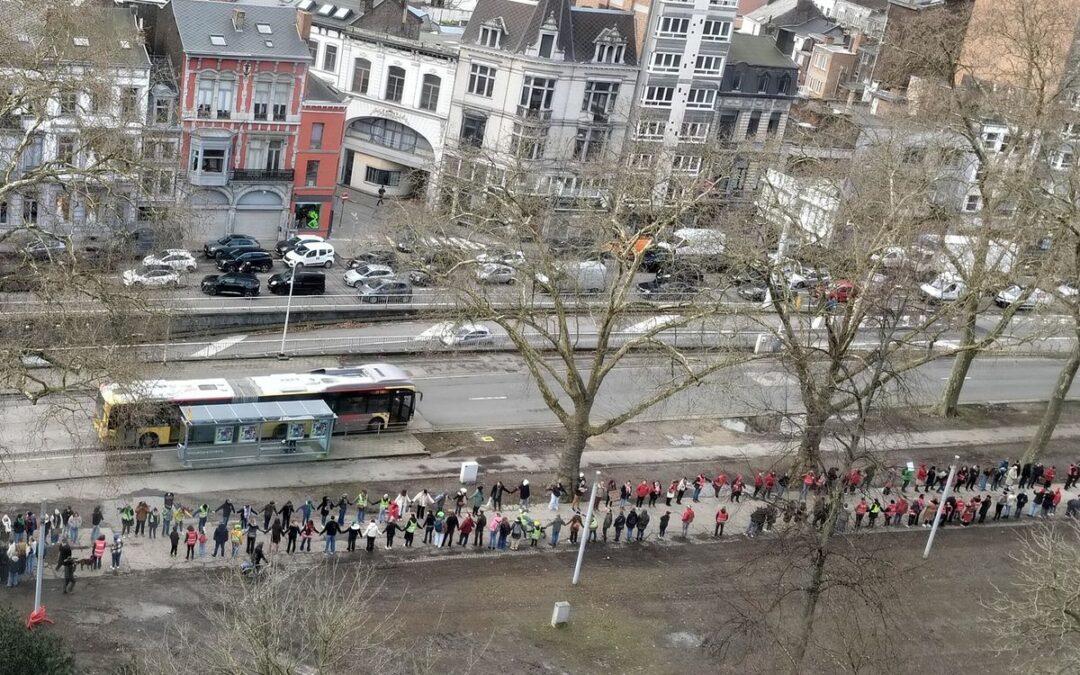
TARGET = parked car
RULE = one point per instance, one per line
(178, 259)
(944, 288)
(247, 261)
(311, 254)
(495, 273)
(673, 284)
(1011, 294)
(589, 276)
(1068, 289)
(238, 246)
(420, 278)
(286, 245)
(365, 273)
(839, 291)
(385, 290)
(754, 291)
(151, 276)
(46, 248)
(511, 258)
(211, 248)
(234, 283)
(376, 257)
(467, 334)
(307, 282)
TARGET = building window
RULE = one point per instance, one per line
(1061, 159)
(609, 53)
(205, 97)
(395, 83)
(391, 134)
(282, 96)
(650, 130)
(784, 87)
(472, 129)
(973, 203)
(701, 99)
(311, 173)
(163, 108)
(709, 65)
(753, 124)
(763, 83)
(589, 143)
(272, 98)
(215, 96)
(547, 45)
(429, 92)
(640, 160)
(329, 58)
(690, 164)
(671, 26)
(774, 123)
(317, 129)
(658, 97)
(382, 176)
(209, 160)
(29, 210)
(666, 62)
(68, 100)
(716, 31)
(313, 50)
(600, 98)
(3, 213)
(537, 92)
(129, 102)
(65, 149)
(528, 141)
(361, 75)
(481, 80)
(694, 132)
(490, 37)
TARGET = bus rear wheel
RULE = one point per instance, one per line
(149, 440)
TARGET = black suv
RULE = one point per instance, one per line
(211, 248)
(248, 261)
(307, 283)
(673, 284)
(237, 247)
(236, 283)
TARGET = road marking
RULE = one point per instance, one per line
(219, 346)
(488, 398)
(965, 379)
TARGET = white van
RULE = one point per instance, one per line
(310, 254)
(945, 288)
(588, 276)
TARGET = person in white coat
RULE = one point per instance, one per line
(370, 533)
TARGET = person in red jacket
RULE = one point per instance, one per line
(687, 518)
(807, 483)
(920, 477)
(642, 492)
(718, 483)
(1048, 475)
(759, 484)
(770, 483)
(721, 518)
(190, 539)
(860, 512)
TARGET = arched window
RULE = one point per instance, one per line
(395, 84)
(763, 83)
(429, 92)
(785, 84)
(361, 75)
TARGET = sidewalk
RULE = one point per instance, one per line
(78, 484)
(144, 554)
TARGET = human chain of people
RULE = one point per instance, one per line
(509, 517)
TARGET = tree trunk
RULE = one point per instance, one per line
(809, 454)
(570, 456)
(1050, 417)
(949, 405)
(810, 602)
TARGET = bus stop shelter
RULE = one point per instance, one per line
(255, 433)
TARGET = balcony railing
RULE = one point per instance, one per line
(261, 175)
(533, 114)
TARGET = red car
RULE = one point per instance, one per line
(840, 291)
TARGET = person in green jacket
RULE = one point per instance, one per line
(535, 533)
(410, 529)
(477, 499)
(906, 477)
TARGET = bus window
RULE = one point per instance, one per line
(378, 403)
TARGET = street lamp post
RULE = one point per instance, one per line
(941, 506)
(585, 530)
(288, 307)
(40, 560)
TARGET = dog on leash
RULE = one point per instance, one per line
(85, 563)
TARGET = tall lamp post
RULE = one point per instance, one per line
(941, 506)
(585, 530)
(288, 307)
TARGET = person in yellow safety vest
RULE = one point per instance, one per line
(179, 513)
(361, 505)
(236, 536)
(384, 506)
(410, 529)
(592, 528)
(535, 533)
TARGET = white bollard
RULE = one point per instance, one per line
(469, 472)
(561, 614)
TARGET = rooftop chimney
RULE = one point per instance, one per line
(303, 24)
(238, 16)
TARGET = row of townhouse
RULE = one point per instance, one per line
(264, 108)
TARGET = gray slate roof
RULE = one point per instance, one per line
(318, 91)
(578, 26)
(197, 20)
(758, 50)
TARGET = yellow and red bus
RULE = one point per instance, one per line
(371, 397)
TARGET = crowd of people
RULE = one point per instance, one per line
(509, 517)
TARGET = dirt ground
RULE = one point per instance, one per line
(644, 609)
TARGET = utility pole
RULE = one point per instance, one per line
(585, 530)
(941, 506)
(288, 306)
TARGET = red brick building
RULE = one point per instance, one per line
(322, 128)
(242, 70)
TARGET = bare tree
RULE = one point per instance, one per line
(1037, 610)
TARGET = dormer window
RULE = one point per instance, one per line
(609, 53)
(490, 36)
(547, 45)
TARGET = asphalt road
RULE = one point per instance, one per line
(495, 391)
